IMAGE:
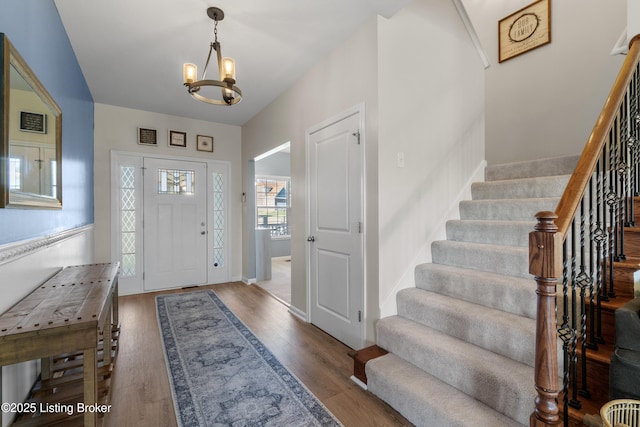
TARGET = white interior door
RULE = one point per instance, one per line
(335, 224)
(175, 223)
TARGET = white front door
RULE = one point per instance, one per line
(175, 223)
(335, 229)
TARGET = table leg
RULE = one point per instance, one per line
(45, 368)
(114, 305)
(90, 385)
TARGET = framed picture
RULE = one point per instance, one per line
(33, 122)
(147, 136)
(524, 30)
(204, 143)
(177, 139)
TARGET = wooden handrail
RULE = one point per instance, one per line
(570, 200)
(546, 246)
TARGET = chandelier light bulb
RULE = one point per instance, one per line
(228, 70)
(189, 73)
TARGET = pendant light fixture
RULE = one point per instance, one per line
(229, 93)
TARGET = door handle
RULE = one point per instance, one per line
(203, 232)
(311, 239)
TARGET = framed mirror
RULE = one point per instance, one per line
(30, 138)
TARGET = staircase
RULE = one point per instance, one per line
(479, 341)
(461, 349)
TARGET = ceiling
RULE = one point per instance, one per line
(131, 51)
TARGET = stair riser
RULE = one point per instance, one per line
(470, 323)
(597, 380)
(496, 210)
(542, 167)
(608, 329)
(520, 189)
(507, 261)
(508, 294)
(490, 232)
(632, 241)
(625, 280)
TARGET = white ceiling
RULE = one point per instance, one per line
(131, 51)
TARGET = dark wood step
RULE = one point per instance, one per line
(626, 279)
(361, 357)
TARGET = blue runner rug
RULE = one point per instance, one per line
(222, 375)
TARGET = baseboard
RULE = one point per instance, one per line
(358, 382)
(298, 313)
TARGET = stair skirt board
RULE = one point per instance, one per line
(461, 348)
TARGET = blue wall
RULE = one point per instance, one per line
(35, 29)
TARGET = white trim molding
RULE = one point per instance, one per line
(472, 32)
(15, 250)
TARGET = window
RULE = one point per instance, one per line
(273, 200)
(171, 181)
(15, 174)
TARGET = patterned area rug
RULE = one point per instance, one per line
(222, 375)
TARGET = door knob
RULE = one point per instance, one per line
(311, 239)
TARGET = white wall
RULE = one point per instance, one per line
(116, 129)
(23, 267)
(431, 88)
(545, 102)
(633, 19)
(344, 79)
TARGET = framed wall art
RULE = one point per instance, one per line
(147, 136)
(524, 30)
(33, 122)
(177, 139)
(204, 143)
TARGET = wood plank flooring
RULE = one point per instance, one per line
(140, 394)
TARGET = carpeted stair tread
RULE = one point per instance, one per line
(523, 188)
(493, 290)
(473, 323)
(532, 168)
(508, 260)
(506, 209)
(495, 380)
(507, 233)
(426, 400)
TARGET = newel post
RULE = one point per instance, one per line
(545, 263)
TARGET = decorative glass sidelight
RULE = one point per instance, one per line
(218, 220)
(127, 221)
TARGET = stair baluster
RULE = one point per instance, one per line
(610, 164)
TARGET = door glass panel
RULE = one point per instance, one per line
(174, 181)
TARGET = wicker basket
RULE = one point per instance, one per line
(621, 413)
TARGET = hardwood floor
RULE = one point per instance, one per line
(140, 393)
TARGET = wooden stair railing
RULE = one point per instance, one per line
(578, 245)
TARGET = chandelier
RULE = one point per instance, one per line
(229, 93)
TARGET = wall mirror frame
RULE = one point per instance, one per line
(30, 137)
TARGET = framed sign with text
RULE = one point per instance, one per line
(524, 30)
(33, 122)
(177, 138)
(147, 136)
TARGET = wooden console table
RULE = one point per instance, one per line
(66, 313)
